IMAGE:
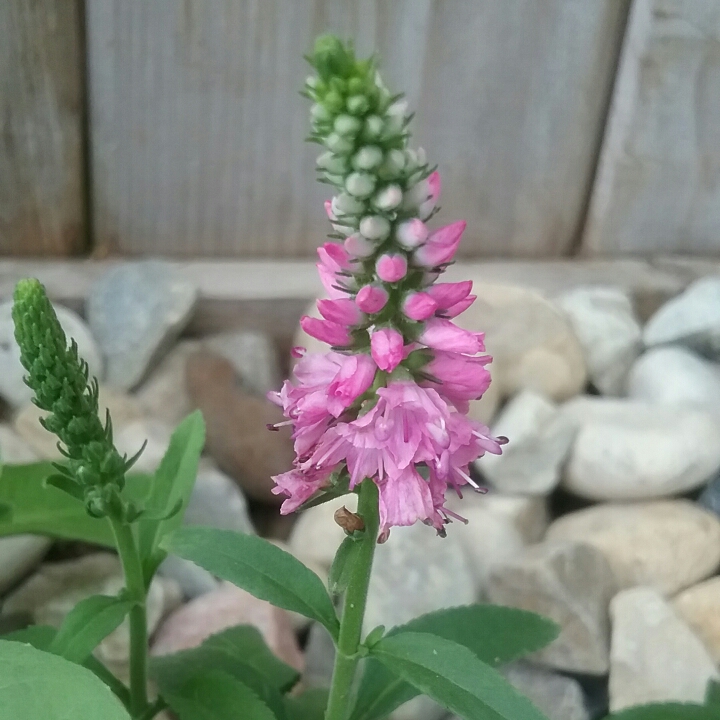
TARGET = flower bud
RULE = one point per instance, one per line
(412, 233)
(386, 348)
(371, 299)
(335, 164)
(358, 105)
(368, 157)
(373, 126)
(419, 306)
(394, 162)
(338, 144)
(441, 245)
(359, 246)
(319, 113)
(388, 198)
(375, 227)
(333, 102)
(391, 268)
(344, 204)
(347, 125)
(360, 184)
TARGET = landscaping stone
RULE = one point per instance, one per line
(136, 310)
(676, 376)
(668, 545)
(627, 450)
(654, 656)
(222, 608)
(237, 434)
(154, 434)
(610, 335)
(572, 584)
(12, 387)
(691, 319)
(710, 496)
(13, 449)
(540, 439)
(19, 554)
(699, 607)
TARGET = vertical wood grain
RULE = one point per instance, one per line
(198, 130)
(658, 182)
(41, 155)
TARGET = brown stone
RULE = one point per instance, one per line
(237, 434)
(226, 607)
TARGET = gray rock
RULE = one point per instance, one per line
(691, 319)
(13, 449)
(654, 656)
(627, 450)
(668, 545)
(699, 607)
(254, 357)
(12, 387)
(570, 583)
(558, 696)
(608, 331)
(675, 376)
(710, 496)
(19, 554)
(155, 434)
(135, 311)
(215, 502)
(416, 572)
(540, 440)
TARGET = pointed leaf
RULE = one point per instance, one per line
(36, 684)
(454, 677)
(66, 485)
(87, 624)
(495, 634)
(216, 696)
(261, 568)
(667, 711)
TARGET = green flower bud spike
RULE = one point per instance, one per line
(94, 471)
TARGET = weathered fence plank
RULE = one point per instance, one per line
(197, 128)
(658, 183)
(41, 162)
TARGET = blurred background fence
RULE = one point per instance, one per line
(561, 127)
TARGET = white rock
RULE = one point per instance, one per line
(610, 334)
(155, 434)
(654, 656)
(691, 319)
(570, 583)
(626, 450)
(699, 607)
(136, 310)
(540, 438)
(675, 376)
(668, 545)
(12, 387)
(19, 554)
(13, 449)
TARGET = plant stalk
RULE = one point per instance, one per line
(135, 587)
(353, 613)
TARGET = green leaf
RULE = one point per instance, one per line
(342, 565)
(495, 634)
(308, 706)
(667, 711)
(41, 509)
(454, 677)
(36, 684)
(171, 488)
(261, 568)
(42, 636)
(712, 696)
(87, 624)
(216, 696)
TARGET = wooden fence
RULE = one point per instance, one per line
(561, 127)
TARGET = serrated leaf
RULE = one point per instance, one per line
(87, 624)
(308, 706)
(342, 564)
(36, 684)
(667, 711)
(255, 565)
(216, 696)
(171, 488)
(454, 677)
(493, 633)
(41, 637)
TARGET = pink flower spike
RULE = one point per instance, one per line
(433, 185)
(447, 294)
(419, 306)
(462, 377)
(358, 246)
(326, 331)
(386, 346)
(391, 268)
(355, 376)
(459, 307)
(371, 299)
(343, 311)
(412, 233)
(444, 335)
(333, 259)
(441, 245)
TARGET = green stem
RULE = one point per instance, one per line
(346, 657)
(135, 587)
